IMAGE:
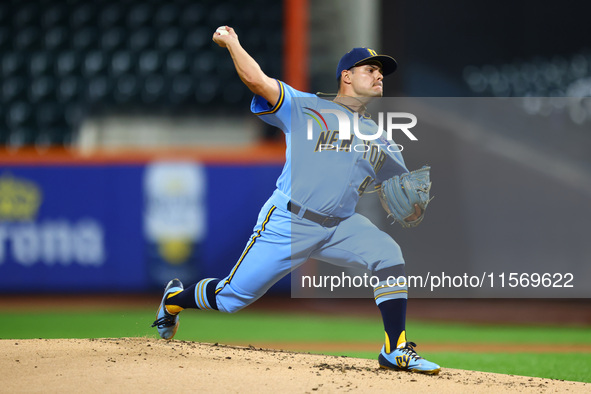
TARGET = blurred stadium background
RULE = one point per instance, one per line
(129, 155)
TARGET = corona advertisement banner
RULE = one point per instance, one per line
(124, 227)
(70, 229)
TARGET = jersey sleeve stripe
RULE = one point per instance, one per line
(279, 101)
(257, 235)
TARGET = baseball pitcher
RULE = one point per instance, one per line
(311, 214)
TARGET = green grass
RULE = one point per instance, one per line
(246, 326)
(518, 334)
(563, 366)
(566, 366)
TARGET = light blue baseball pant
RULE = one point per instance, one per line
(282, 241)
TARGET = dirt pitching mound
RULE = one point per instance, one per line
(148, 365)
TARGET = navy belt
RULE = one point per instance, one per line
(323, 220)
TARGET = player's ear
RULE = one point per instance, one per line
(346, 76)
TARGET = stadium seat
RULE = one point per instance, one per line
(41, 88)
(182, 89)
(168, 38)
(166, 14)
(153, 89)
(176, 62)
(85, 58)
(56, 38)
(203, 62)
(113, 39)
(81, 15)
(94, 63)
(13, 89)
(149, 61)
(126, 88)
(69, 89)
(206, 90)
(192, 15)
(67, 62)
(53, 15)
(21, 136)
(110, 15)
(25, 15)
(97, 90)
(47, 115)
(85, 38)
(121, 63)
(12, 62)
(5, 38)
(27, 39)
(141, 39)
(197, 38)
(19, 115)
(39, 63)
(139, 15)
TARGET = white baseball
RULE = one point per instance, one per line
(222, 30)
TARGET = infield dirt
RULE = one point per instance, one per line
(146, 365)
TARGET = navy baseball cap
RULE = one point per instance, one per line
(359, 56)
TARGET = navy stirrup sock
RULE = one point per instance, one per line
(394, 317)
(200, 295)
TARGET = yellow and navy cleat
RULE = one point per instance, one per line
(405, 358)
(167, 322)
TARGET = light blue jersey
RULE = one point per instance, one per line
(311, 214)
(324, 173)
